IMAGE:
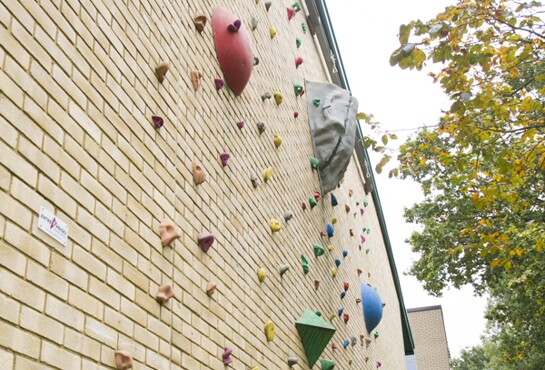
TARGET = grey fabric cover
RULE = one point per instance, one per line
(333, 129)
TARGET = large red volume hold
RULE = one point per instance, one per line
(233, 48)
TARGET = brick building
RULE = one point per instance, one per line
(79, 151)
(430, 339)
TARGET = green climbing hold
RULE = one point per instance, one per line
(376, 334)
(316, 102)
(295, 6)
(366, 250)
(298, 89)
(315, 335)
(318, 250)
(304, 28)
(314, 163)
(298, 42)
(304, 263)
(365, 203)
(327, 364)
(313, 203)
(318, 313)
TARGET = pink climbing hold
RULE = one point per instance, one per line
(235, 26)
(291, 13)
(378, 364)
(295, 114)
(227, 355)
(334, 346)
(224, 157)
(345, 286)
(323, 234)
(205, 241)
(298, 62)
(157, 121)
(219, 83)
(317, 196)
(240, 124)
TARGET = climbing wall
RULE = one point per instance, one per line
(152, 217)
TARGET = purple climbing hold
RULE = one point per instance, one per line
(362, 239)
(205, 241)
(157, 121)
(234, 27)
(227, 355)
(224, 157)
(219, 83)
(240, 124)
(362, 211)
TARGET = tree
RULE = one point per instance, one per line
(482, 167)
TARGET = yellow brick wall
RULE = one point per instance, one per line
(430, 339)
(77, 92)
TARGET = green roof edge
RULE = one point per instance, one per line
(362, 155)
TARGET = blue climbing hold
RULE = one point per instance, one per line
(337, 262)
(340, 311)
(329, 229)
(343, 294)
(372, 307)
(345, 253)
(334, 200)
(346, 343)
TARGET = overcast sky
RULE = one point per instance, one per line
(366, 33)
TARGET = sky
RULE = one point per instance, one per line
(366, 33)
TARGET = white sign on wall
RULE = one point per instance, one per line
(53, 226)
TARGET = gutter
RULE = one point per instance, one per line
(320, 24)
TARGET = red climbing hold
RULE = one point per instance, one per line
(291, 13)
(298, 62)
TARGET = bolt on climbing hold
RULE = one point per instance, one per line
(267, 174)
(346, 285)
(362, 239)
(346, 343)
(334, 202)
(295, 114)
(334, 220)
(350, 192)
(292, 361)
(316, 102)
(333, 272)
(304, 206)
(291, 13)
(314, 163)
(227, 355)
(261, 274)
(205, 241)
(353, 340)
(298, 42)
(164, 293)
(343, 294)
(359, 271)
(234, 26)
(304, 263)
(366, 250)
(304, 27)
(161, 70)
(333, 347)
(199, 176)
(298, 62)
(351, 231)
(340, 312)
(269, 330)
(265, 96)
(318, 250)
(337, 262)
(261, 128)
(274, 225)
(254, 23)
(316, 284)
(367, 342)
(200, 22)
(283, 269)
(224, 158)
(254, 182)
(157, 121)
(272, 32)
(329, 229)
(346, 317)
(318, 313)
(323, 234)
(365, 203)
(313, 203)
(295, 6)
(196, 79)
(288, 215)
(268, 5)
(347, 208)
(218, 82)
(330, 247)
(278, 98)
(358, 300)
(211, 288)
(350, 362)
(378, 364)
(362, 211)
(240, 124)
(345, 253)
(298, 89)
(123, 360)
(376, 334)
(383, 304)
(168, 232)
(256, 61)
(317, 196)
(277, 141)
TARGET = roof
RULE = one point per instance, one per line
(320, 25)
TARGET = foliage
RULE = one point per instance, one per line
(369, 141)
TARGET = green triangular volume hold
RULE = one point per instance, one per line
(327, 364)
(318, 250)
(315, 335)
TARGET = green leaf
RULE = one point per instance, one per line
(404, 32)
(385, 139)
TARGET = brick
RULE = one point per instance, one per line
(120, 284)
(15, 163)
(11, 90)
(27, 244)
(75, 149)
(118, 322)
(39, 115)
(89, 263)
(93, 225)
(45, 327)
(7, 360)
(81, 195)
(55, 195)
(14, 48)
(102, 333)
(15, 211)
(83, 120)
(146, 338)
(47, 280)
(57, 153)
(82, 344)
(83, 301)
(19, 341)
(22, 363)
(64, 313)
(107, 255)
(116, 189)
(69, 271)
(12, 259)
(59, 357)
(9, 310)
(104, 293)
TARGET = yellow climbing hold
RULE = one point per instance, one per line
(269, 330)
(277, 141)
(278, 98)
(334, 220)
(261, 274)
(272, 32)
(275, 225)
(334, 271)
(330, 247)
(332, 316)
(267, 174)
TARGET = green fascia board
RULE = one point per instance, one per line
(315, 334)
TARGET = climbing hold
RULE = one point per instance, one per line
(256, 61)
(234, 26)
(383, 304)
(288, 215)
(346, 286)
(362, 239)
(362, 338)
(304, 206)
(350, 192)
(275, 225)
(157, 121)
(350, 362)
(304, 263)
(267, 174)
(334, 200)
(164, 293)
(366, 250)
(196, 79)
(334, 272)
(278, 98)
(347, 208)
(367, 342)
(314, 163)
(292, 361)
(265, 96)
(277, 141)
(333, 347)
(372, 307)
(269, 330)
(378, 364)
(304, 28)
(315, 334)
(345, 253)
(316, 102)
(312, 202)
(298, 42)
(268, 5)
(224, 157)
(358, 300)
(376, 334)
(343, 294)
(318, 313)
(254, 23)
(331, 316)
(261, 274)
(316, 284)
(291, 13)
(218, 83)
(205, 241)
(337, 262)
(168, 232)
(365, 202)
(346, 317)
(318, 250)
(323, 234)
(328, 364)
(161, 70)
(298, 62)
(240, 124)
(334, 220)
(211, 288)
(254, 182)
(317, 196)
(329, 229)
(340, 311)
(368, 231)
(200, 22)
(283, 269)
(198, 174)
(357, 204)
(227, 355)
(362, 211)
(123, 360)
(330, 247)
(295, 6)
(359, 271)
(353, 340)
(298, 89)
(346, 343)
(261, 128)
(295, 114)
(272, 32)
